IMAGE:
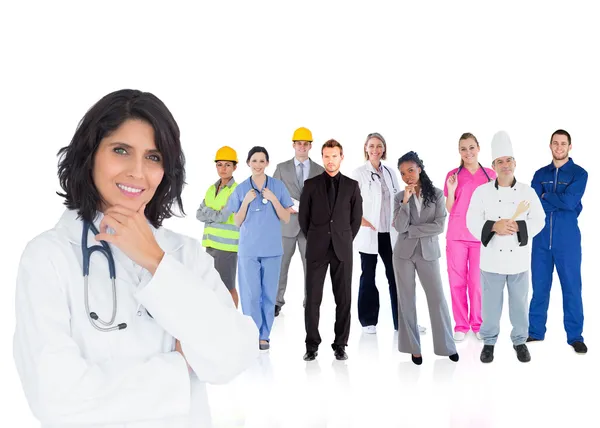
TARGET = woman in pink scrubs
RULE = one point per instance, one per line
(462, 248)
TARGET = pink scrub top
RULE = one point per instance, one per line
(467, 183)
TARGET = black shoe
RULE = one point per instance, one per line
(277, 310)
(522, 353)
(533, 339)
(417, 360)
(340, 354)
(310, 355)
(453, 357)
(579, 347)
(487, 354)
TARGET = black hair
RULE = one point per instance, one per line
(102, 119)
(426, 185)
(257, 149)
(561, 132)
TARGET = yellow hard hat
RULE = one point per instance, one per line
(302, 134)
(226, 153)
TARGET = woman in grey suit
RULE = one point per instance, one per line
(419, 217)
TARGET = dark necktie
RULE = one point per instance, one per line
(331, 194)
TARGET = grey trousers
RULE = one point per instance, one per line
(226, 264)
(492, 298)
(431, 280)
(289, 248)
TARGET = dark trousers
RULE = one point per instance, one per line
(368, 295)
(341, 279)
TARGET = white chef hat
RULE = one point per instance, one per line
(501, 145)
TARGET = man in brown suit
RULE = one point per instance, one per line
(330, 215)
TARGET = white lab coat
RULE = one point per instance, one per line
(504, 254)
(75, 376)
(366, 240)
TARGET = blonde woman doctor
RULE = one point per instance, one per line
(378, 186)
(136, 352)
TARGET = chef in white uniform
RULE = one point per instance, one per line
(506, 247)
(175, 325)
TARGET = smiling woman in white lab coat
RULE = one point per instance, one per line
(175, 324)
(378, 186)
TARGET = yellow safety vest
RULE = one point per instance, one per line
(221, 236)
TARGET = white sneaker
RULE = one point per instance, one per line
(370, 329)
(478, 336)
(459, 336)
(421, 328)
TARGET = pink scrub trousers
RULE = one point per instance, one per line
(464, 276)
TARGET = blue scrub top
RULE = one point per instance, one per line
(260, 234)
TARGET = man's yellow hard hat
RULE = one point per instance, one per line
(302, 134)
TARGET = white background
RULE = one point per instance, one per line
(249, 73)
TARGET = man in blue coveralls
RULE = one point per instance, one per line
(560, 187)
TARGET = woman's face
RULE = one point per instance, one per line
(468, 150)
(127, 166)
(375, 149)
(409, 171)
(257, 163)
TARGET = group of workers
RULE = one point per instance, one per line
(122, 322)
(500, 232)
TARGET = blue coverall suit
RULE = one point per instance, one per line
(559, 243)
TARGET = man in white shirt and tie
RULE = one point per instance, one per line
(293, 173)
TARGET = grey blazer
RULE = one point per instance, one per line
(286, 172)
(413, 227)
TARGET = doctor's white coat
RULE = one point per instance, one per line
(75, 376)
(367, 239)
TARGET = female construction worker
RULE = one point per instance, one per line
(419, 218)
(260, 203)
(462, 248)
(221, 235)
(136, 353)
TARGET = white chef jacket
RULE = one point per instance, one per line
(509, 254)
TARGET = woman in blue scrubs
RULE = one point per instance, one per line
(260, 203)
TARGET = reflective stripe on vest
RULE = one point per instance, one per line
(221, 236)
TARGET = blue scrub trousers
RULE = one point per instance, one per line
(568, 266)
(258, 279)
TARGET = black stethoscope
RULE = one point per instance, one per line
(375, 174)
(264, 200)
(482, 168)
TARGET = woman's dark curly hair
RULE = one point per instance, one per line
(426, 185)
(108, 114)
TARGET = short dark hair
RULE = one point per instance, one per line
(102, 119)
(561, 132)
(257, 149)
(331, 144)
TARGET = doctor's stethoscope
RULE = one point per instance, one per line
(264, 200)
(482, 168)
(374, 174)
(87, 253)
